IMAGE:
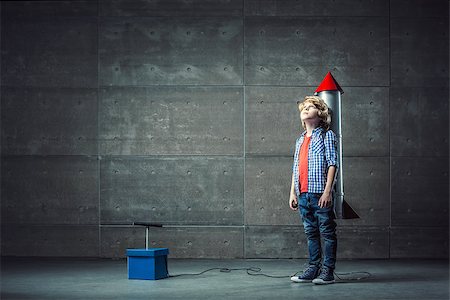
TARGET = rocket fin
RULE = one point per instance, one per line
(348, 212)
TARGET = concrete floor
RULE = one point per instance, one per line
(107, 279)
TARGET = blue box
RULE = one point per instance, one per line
(148, 264)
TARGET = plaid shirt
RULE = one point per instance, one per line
(322, 153)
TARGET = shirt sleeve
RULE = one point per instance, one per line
(295, 151)
(331, 149)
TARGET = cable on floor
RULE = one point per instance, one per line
(255, 271)
(366, 276)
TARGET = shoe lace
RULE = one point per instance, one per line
(324, 273)
(309, 271)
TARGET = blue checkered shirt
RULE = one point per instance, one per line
(322, 153)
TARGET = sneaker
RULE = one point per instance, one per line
(326, 276)
(308, 274)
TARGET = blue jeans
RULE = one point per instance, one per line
(318, 222)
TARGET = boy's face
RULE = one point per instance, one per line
(309, 112)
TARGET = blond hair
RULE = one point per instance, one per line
(324, 112)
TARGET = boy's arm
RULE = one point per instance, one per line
(330, 178)
(331, 149)
(332, 162)
(293, 202)
(293, 185)
(325, 199)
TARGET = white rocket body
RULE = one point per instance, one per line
(330, 91)
(333, 100)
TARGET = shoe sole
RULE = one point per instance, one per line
(322, 282)
(297, 280)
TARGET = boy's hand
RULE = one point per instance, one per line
(325, 200)
(293, 203)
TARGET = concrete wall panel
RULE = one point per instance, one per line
(366, 189)
(365, 121)
(362, 242)
(50, 190)
(275, 241)
(419, 242)
(27, 9)
(419, 52)
(164, 50)
(172, 190)
(49, 121)
(56, 241)
(267, 188)
(419, 8)
(171, 120)
(290, 242)
(287, 50)
(339, 8)
(272, 119)
(51, 52)
(176, 8)
(183, 242)
(420, 191)
(418, 125)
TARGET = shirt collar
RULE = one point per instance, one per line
(315, 132)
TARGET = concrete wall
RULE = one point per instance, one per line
(184, 113)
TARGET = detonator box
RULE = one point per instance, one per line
(150, 264)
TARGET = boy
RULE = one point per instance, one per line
(314, 170)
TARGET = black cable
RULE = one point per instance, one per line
(252, 271)
(368, 275)
(255, 271)
(196, 274)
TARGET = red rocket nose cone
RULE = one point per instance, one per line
(329, 84)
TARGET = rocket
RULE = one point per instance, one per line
(330, 92)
